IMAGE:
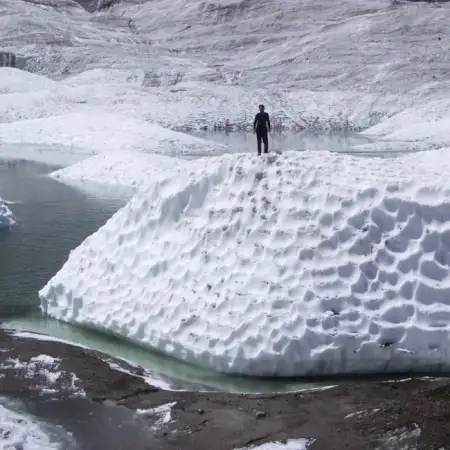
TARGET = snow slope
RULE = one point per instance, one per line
(6, 217)
(275, 266)
(184, 64)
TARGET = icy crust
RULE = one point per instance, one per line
(299, 264)
(6, 216)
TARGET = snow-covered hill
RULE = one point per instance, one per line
(183, 64)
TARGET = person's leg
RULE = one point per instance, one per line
(266, 142)
(258, 138)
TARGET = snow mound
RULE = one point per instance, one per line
(130, 169)
(15, 80)
(6, 216)
(160, 413)
(307, 263)
(104, 132)
(426, 124)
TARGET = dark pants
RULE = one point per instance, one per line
(262, 135)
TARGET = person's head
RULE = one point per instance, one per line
(261, 108)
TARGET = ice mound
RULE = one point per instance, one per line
(308, 263)
(6, 216)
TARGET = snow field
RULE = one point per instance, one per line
(307, 263)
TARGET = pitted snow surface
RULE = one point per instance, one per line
(300, 264)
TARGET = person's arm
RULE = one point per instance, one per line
(268, 121)
(255, 122)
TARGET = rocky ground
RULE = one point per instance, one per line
(409, 414)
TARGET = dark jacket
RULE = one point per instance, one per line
(261, 119)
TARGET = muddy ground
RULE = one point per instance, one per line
(410, 414)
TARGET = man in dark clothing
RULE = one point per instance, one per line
(261, 125)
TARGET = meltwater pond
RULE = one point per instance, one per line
(52, 219)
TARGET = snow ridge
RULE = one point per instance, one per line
(298, 264)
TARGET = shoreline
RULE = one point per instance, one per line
(397, 414)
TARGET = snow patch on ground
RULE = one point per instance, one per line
(403, 438)
(275, 266)
(6, 216)
(362, 413)
(289, 444)
(47, 367)
(162, 414)
(19, 431)
(146, 377)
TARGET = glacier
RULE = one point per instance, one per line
(307, 263)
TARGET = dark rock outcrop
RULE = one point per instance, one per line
(88, 5)
(7, 59)
(96, 5)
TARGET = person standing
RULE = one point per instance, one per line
(261, 126)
